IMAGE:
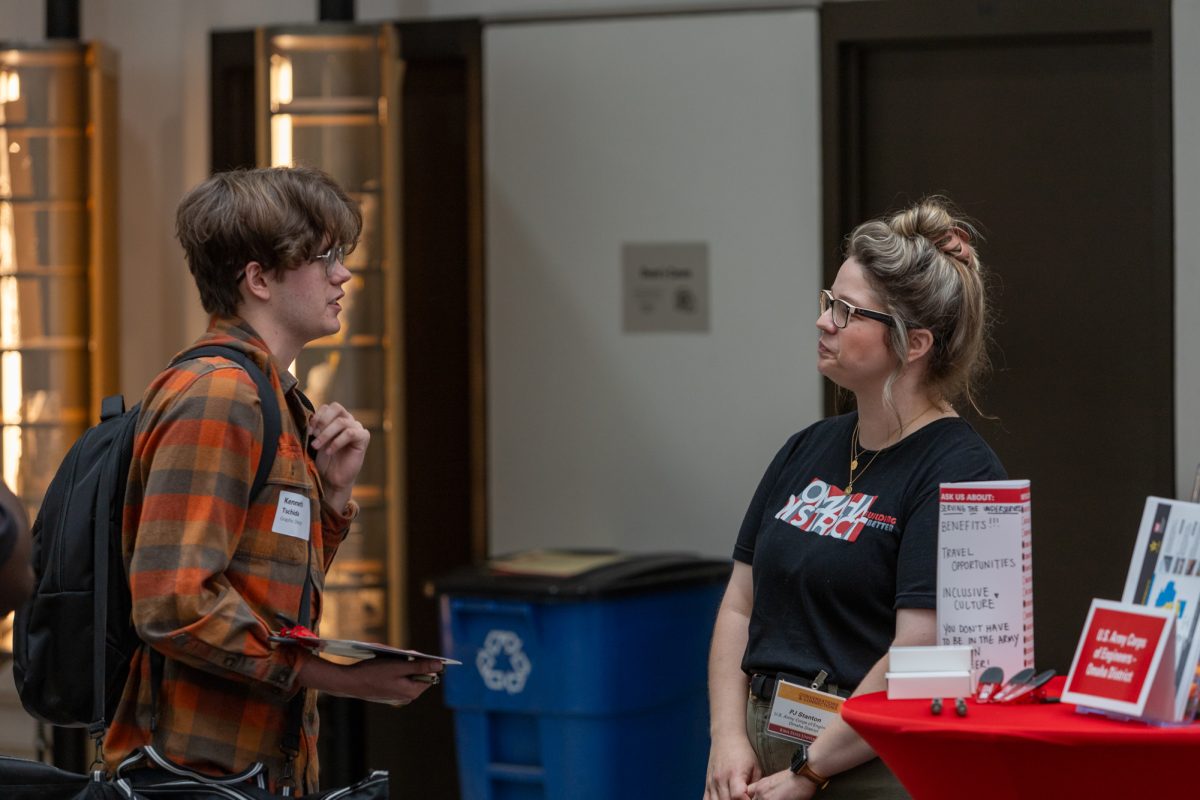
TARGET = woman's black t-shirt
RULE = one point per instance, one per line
(829, 570)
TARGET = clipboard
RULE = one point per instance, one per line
(360, 651)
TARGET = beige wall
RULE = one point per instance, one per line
(696, 128)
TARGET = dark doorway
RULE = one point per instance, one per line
(1050, 122)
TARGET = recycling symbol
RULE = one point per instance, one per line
(498, 648)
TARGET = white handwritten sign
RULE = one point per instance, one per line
(985, 572)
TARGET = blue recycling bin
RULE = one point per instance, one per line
(590, 687)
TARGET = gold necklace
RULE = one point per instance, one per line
(856, 454)
(854, 460)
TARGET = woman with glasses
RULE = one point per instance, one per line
(836, 558)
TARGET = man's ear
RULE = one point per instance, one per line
(920, 342)
(255, 282)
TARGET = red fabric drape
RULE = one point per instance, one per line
(1025, 751)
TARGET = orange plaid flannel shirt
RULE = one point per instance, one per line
(207, 572)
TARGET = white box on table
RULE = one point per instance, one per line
(920, 685)
(932, 658)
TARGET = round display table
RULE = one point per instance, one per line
(1024, 751)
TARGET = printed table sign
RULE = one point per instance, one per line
(1125, 662)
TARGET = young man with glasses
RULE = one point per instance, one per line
(214, 571)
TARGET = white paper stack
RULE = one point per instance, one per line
(923, 672)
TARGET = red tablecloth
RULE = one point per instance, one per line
(1029, 751)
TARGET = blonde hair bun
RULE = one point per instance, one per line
(923, 263)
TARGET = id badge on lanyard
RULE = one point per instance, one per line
(799, 713)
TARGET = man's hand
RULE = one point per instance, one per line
(392, 681)
(341, 444)
(783, 785)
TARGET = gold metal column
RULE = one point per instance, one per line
(322, 102)
(58, 285)
(58, 315)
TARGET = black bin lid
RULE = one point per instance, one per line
(614, 573)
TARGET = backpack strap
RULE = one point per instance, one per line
(272, 429)
(272, 426)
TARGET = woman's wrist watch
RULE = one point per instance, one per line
(800, 767)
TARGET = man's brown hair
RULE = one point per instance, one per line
(281, 217)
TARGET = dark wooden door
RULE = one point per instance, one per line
(1050, 123)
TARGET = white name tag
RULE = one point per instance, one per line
(799, 713)
(292, 516)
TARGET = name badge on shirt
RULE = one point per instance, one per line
(800, 713)
(292, 516)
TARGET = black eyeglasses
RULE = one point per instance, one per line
(842, 311)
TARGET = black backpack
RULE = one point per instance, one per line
(78, 620)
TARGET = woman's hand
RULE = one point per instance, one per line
(732, 765)
(783, 785)
(731, 760)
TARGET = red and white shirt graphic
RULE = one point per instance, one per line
(826, 510)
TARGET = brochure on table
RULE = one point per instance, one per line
(1124, 663)
(985, 572)
(1164, 573)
